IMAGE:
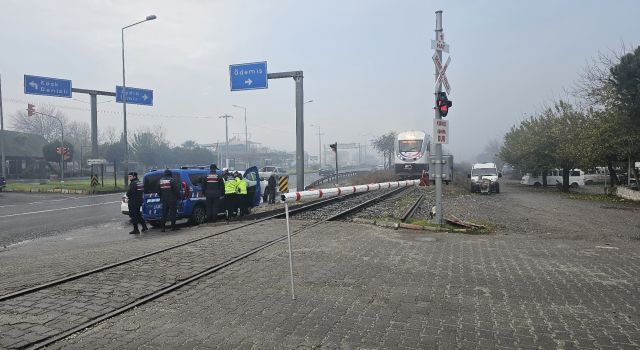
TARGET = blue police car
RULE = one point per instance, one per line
(191, 204)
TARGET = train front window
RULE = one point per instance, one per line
(410, 145)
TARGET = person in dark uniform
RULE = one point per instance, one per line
(135, 201)
(213, 189)
(169, 194)
(271, 189)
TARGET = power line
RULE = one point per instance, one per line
(109, 112)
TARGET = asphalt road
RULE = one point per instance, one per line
(27, 216)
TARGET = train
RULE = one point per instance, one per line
(412, 151)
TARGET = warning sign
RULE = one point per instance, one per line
(441, 131)
(94, 180)
(283, 184)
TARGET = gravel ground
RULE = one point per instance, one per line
(524, 210)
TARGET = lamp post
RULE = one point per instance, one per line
(124, 103)
(226, 129)
(319, 144)
(246, 137)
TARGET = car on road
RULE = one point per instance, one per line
(3, 183)
(124, 205)
(267, 171)
(326, 171)
(191, 204)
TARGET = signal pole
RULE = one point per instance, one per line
(438, 159)
(31, 111)
(2, 133)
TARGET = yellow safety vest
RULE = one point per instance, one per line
(230, 187)
(242, 186)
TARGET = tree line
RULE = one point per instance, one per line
(601, 126)
(149, 147)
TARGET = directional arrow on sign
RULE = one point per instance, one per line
(33, 85)
(248, 82)
(442, 77)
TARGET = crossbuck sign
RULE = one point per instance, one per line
(442, 77)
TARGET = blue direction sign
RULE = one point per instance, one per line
(47, 86)
(135, 96)
(248, 76)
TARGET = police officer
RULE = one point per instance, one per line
(271, 189)
(135, 201)
(169, 194)
(213, 189)
(230, 195)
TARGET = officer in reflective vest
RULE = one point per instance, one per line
(213, 188)
(134, 195)
(169, 194)
(230, 196)
(242, 194)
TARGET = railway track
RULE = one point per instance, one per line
(70, 304)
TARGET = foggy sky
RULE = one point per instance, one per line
(367, 64)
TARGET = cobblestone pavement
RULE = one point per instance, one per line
(359, 286)
(535, 283)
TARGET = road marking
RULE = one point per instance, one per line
(60, 199)
(57, 209)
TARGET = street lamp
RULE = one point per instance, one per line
(124, 103)
(246, 137)
(226, 128)
(319, 144)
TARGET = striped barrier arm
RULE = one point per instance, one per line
(303, 196)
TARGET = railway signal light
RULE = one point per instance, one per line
(443, 104)
(31, 110)
(334, 147)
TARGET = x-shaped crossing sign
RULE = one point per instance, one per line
(442, 77)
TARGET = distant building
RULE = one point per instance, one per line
(23, 153)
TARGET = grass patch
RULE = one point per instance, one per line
(601, 198)
(487, 230)
(422, 222)
(83, 185)
(488, 227)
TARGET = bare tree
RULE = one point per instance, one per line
(593, 87)
(109, 135)
(78, 133)
(38, 124)
(385, 144)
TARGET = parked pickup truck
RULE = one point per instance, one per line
(266, 171)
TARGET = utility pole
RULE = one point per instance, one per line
(4, 174)
(320, 146)
(438, 160)
(226, 127)
(246, 133)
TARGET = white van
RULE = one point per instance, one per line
(599, 174)
(554, 177)
(484, 178)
